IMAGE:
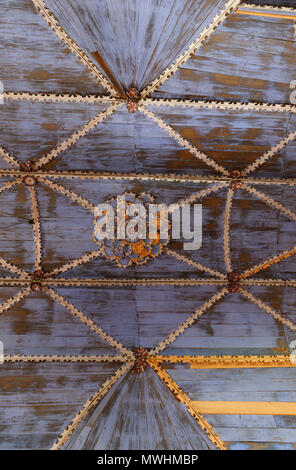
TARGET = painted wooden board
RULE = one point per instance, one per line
(39, 400)
(30, 129)
(137, 39)
(152, 418)
(234, 381)
(251, 432)
(33, 59)
(232, 138)
(38, 325)
(226, 67)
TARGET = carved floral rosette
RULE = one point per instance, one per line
(127, 252)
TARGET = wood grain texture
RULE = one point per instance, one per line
(152, 418)
(32, 57)
(226, 67)
(141, 411)
(138, 39)
(48, 395)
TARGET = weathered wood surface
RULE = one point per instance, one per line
(243, 431)
(248, 59)
(32, 57)
(38, 399)
(39, 325)
(138, 39)
(151, 418)
(31, 129)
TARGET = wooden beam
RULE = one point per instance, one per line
(245, 407)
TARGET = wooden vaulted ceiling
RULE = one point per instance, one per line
(223, 106)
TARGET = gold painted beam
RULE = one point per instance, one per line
(229, 362)
(245, 407)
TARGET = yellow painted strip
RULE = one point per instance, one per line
(267, 14)
(229, 362)
(245, 407)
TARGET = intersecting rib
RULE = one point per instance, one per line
(62, 147)
(36, 229)
(9, 158)
(87, 321)
(58, 97)
(184, 142)
(226, 230)
(66, 358)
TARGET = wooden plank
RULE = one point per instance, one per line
(245, 407)
(151, 419)
(257, 434)
(33, 59)
(227, 68)
(38, 400)
(136, 41)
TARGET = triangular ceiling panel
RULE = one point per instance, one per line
(254, 239)
(232, 138)
(135, 144)
(31, 129)
(40, 325)
(140, 412)
(33, 58)
(49, 395)
(132, 40)
(66, 225)
(232, 326)
(139, 315)
(111, 308)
